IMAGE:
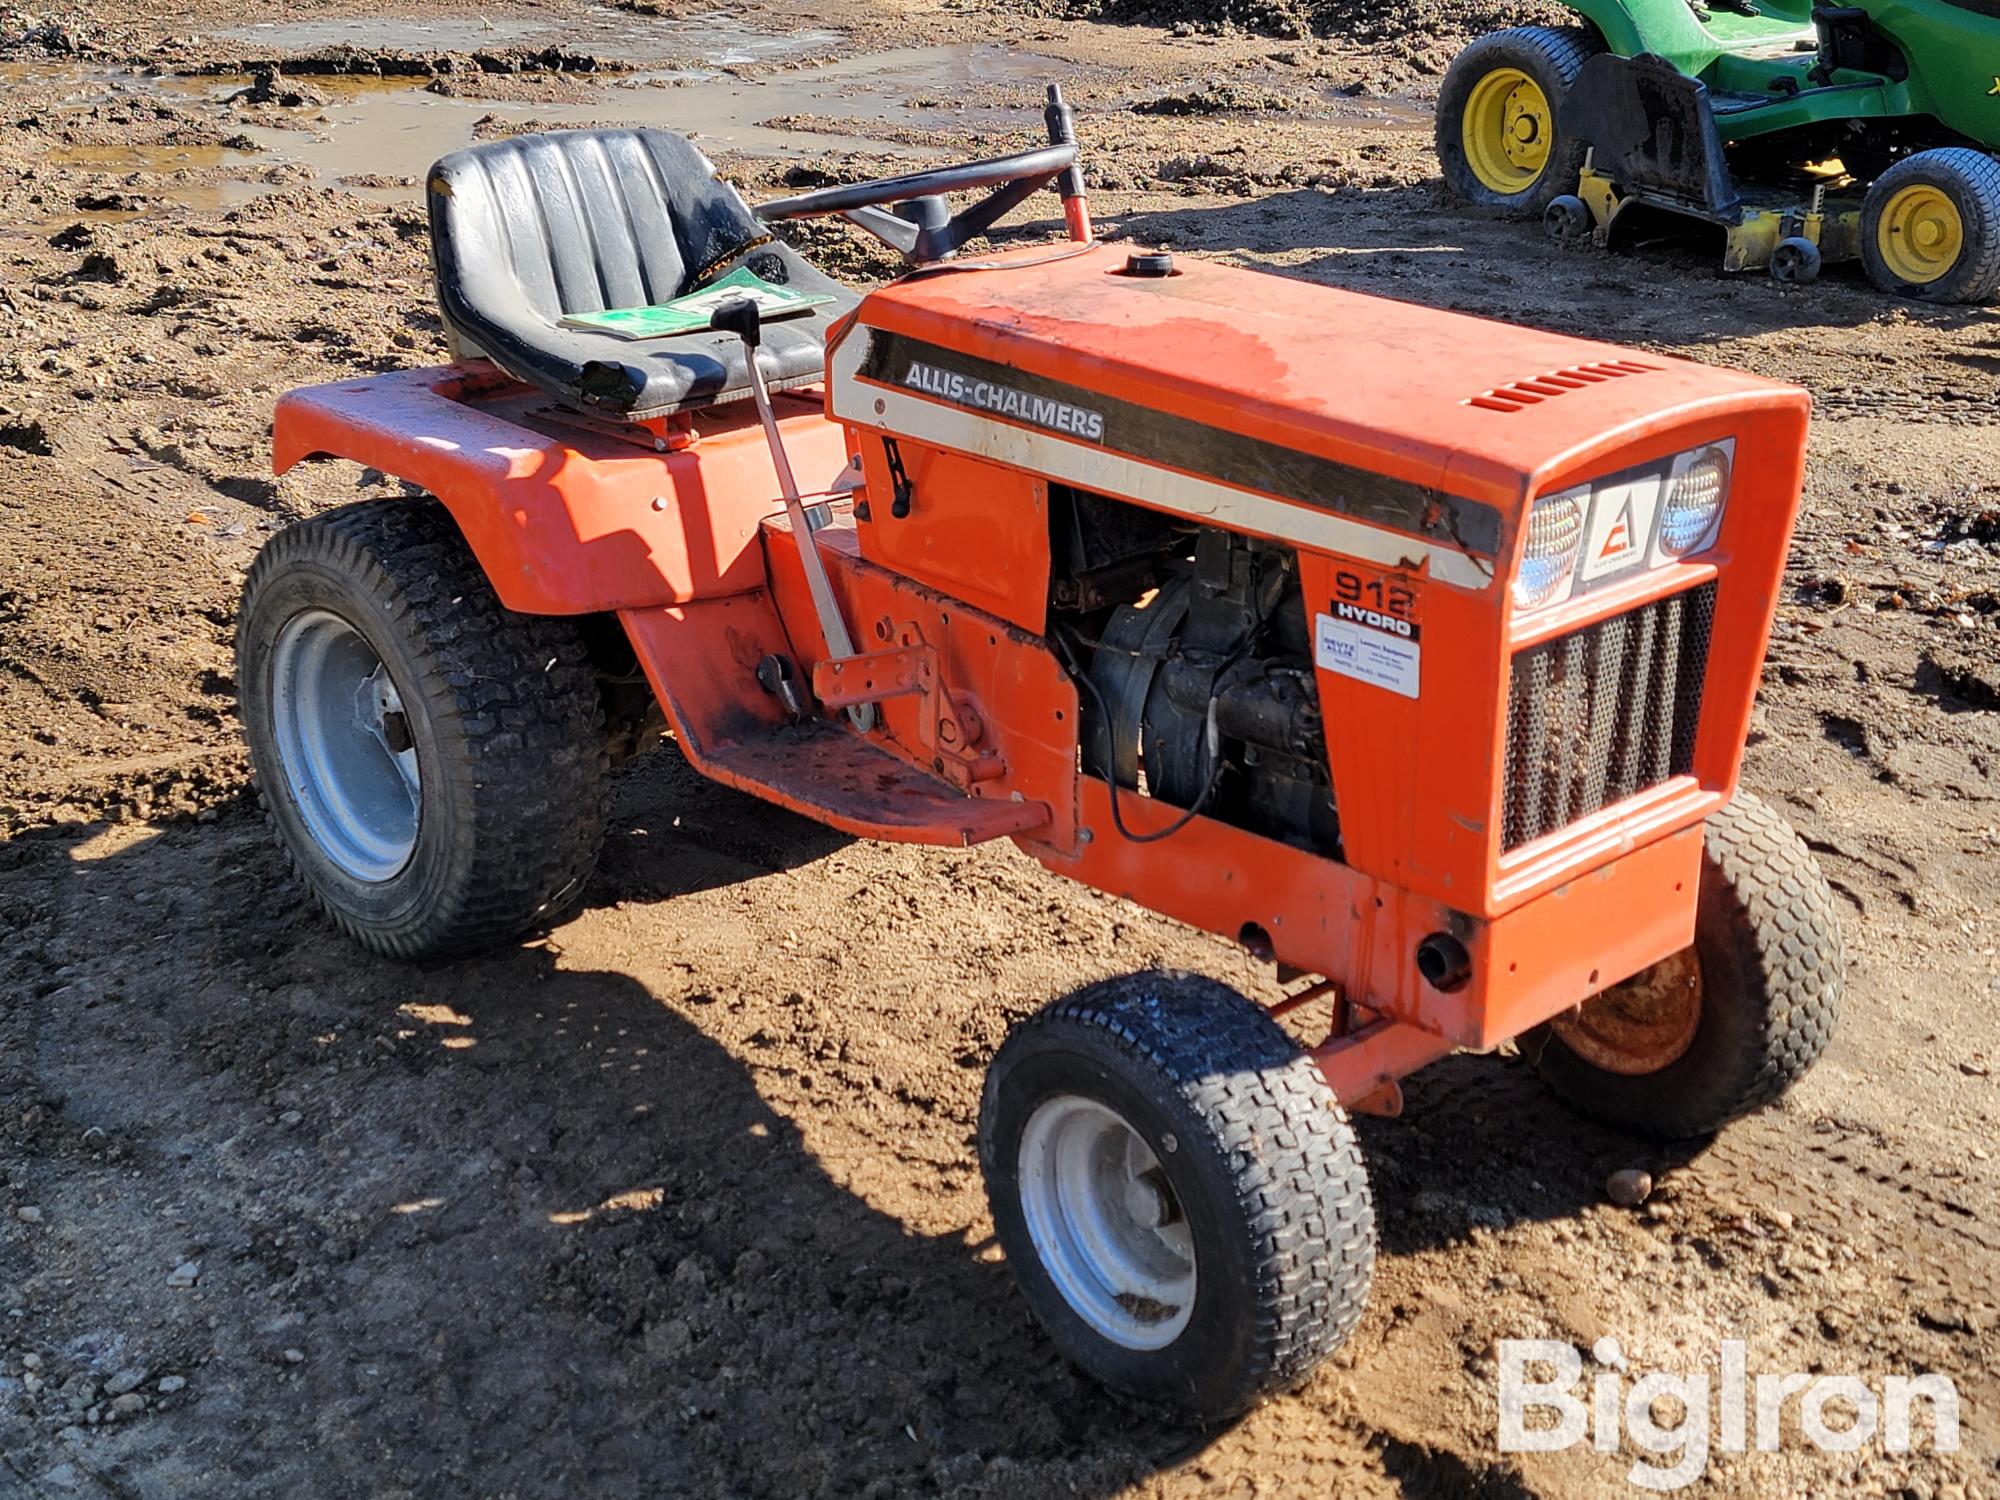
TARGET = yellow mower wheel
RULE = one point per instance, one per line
(1508, 129)
(1930, 228)
(1498, 140)
(1921, 235)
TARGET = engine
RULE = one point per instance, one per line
(1191, 649)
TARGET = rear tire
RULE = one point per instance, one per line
(1930, 227)
(1763, 978)
(1497, 139)
(434, 764)
(1228, 1234)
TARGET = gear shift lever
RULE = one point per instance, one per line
(744, 319)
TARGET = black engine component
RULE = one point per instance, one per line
(1205, 696)
(1105, 551)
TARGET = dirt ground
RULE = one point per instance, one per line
(682, 1200)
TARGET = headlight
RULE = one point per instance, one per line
(1594, 535)
(1694, 501)
(1555, 531)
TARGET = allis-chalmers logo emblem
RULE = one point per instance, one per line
(1618, 540)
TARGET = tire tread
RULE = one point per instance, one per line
(1302, 1190)
(1788, 921)
(1771, 917)
(1974, 177)
(522, 695)
(1559, 52)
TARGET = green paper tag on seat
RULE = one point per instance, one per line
(690, 314)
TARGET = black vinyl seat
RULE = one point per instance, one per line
(528, 230)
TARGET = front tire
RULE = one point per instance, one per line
(1726, 1026)
(1796, 261)
(434, 764)
(1567, 220)
(1497, 138)
(1930, 227)
(1181, 1199)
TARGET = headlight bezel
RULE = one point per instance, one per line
(1624, 525)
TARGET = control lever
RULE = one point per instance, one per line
(746, 320)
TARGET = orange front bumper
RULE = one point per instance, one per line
(1529, 964)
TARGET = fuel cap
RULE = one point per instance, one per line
(1149, 263)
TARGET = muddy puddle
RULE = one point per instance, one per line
(101, 158)
(375, 136)
(376, 128)
(1381, 114)
(389, 33)
(182, 176)
(392, 129)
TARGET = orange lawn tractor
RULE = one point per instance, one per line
(1412, 651)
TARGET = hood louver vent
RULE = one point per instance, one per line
(1523, 394)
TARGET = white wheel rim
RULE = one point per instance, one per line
(345, 745)
(1106, 1224)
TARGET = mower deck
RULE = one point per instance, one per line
(1713, 114)
(1754, 224)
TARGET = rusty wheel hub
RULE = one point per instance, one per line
(1642, 1025)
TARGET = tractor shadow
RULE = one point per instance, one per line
(543, 1229)
(1482, 1144)
(673, 833)
(534, 1228)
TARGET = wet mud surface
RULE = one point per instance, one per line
(682, 1200)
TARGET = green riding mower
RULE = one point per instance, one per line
(1809, 133)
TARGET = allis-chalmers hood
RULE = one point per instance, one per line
(1214, 381)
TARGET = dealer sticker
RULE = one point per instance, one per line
(1370, 646)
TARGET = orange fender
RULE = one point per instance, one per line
(566, 520)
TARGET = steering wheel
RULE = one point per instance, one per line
(1040, 165)
(909, 213)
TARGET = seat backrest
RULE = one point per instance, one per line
(575, 221)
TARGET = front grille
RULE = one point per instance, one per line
(1604, 712)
